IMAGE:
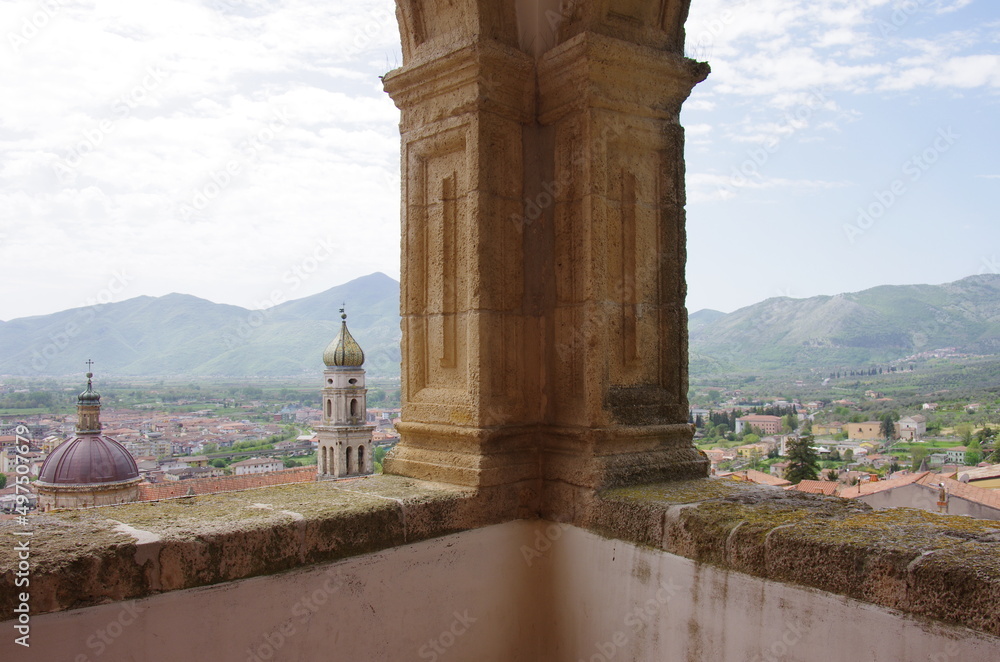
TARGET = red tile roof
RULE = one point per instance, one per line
(816, 487)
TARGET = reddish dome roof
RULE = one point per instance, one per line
(88, 459)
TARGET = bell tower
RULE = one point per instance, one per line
(345, 439)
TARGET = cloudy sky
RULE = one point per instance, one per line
(243, 150)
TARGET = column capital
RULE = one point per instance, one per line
(484, 76)
(593, 70)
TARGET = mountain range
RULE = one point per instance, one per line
(855, 330)
(183, 335)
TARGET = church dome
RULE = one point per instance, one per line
(88, 459)
(344, 351)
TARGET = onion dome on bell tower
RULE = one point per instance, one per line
(344, 351)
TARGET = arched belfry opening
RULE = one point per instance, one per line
(544, 329)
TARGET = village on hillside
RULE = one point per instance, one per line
(906, 459)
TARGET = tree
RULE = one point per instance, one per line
(973, 453)
(790, 422)
(888, 427)
(803, 462)
(848, 455)
(918, 453)
(3, 481)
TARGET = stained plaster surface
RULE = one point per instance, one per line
(942, 567)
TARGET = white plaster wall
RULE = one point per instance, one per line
(616, 601)
(471, 593)
(516, 592)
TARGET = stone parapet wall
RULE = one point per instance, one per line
(943, 568)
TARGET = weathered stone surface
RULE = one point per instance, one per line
(98, 555)
(921, 563)
(544, 328)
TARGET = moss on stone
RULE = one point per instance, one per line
(682, 491)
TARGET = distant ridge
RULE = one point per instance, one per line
(182, 335)
(877, 325)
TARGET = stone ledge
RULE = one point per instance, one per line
(89, 557)
(942, 567)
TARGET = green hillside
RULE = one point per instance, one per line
(178, 334)
(874, 326)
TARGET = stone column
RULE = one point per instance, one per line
(544, 328)
(610, 95)
(465, 92)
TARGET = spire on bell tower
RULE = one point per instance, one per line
(88, 407)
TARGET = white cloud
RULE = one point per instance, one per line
(127, 112)
(946, 7)
(963, 72)
(714, 187)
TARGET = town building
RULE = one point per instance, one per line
(760, 422)
(868, 430)
(820, 429)
(987, 477)
(911, 427)
(928, 491)
(256, 465)
(956, 454)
